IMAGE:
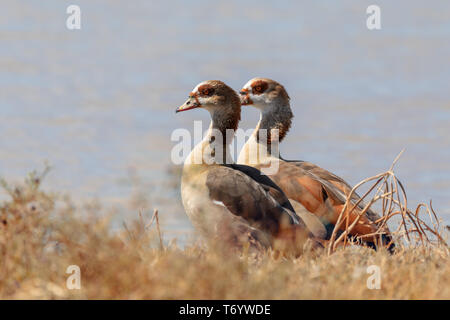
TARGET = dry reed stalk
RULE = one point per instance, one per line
(412, 229)
(155, 213)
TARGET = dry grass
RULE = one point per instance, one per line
(39, 240)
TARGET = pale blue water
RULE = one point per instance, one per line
(99, 103)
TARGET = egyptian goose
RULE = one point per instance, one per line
(233, 203)
(309, 188)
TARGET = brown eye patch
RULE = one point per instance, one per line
(258, 87)
(205, 90)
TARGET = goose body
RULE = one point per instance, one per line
(232, 203)
(317, 195)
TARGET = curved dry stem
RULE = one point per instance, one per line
(412, 229)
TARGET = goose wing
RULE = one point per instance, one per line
(249, 194)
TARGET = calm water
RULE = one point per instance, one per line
(98, 103)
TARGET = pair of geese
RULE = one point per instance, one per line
(238, 204)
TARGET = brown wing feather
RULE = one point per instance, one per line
(335, 185)
(339, 184)
(317, 195)
(334, 191)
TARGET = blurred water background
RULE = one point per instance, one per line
(98, 103)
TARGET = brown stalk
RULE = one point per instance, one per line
(412, 228)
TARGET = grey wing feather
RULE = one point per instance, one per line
(245, 197)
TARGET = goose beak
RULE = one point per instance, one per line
(245, 97)
(190, 104)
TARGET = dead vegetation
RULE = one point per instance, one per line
(41, 235)
(417, 227)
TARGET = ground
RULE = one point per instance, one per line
(39, 242)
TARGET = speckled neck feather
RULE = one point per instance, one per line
(279, 116)
(227, 114)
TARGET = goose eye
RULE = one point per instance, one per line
(206, 90)
(259, 87)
